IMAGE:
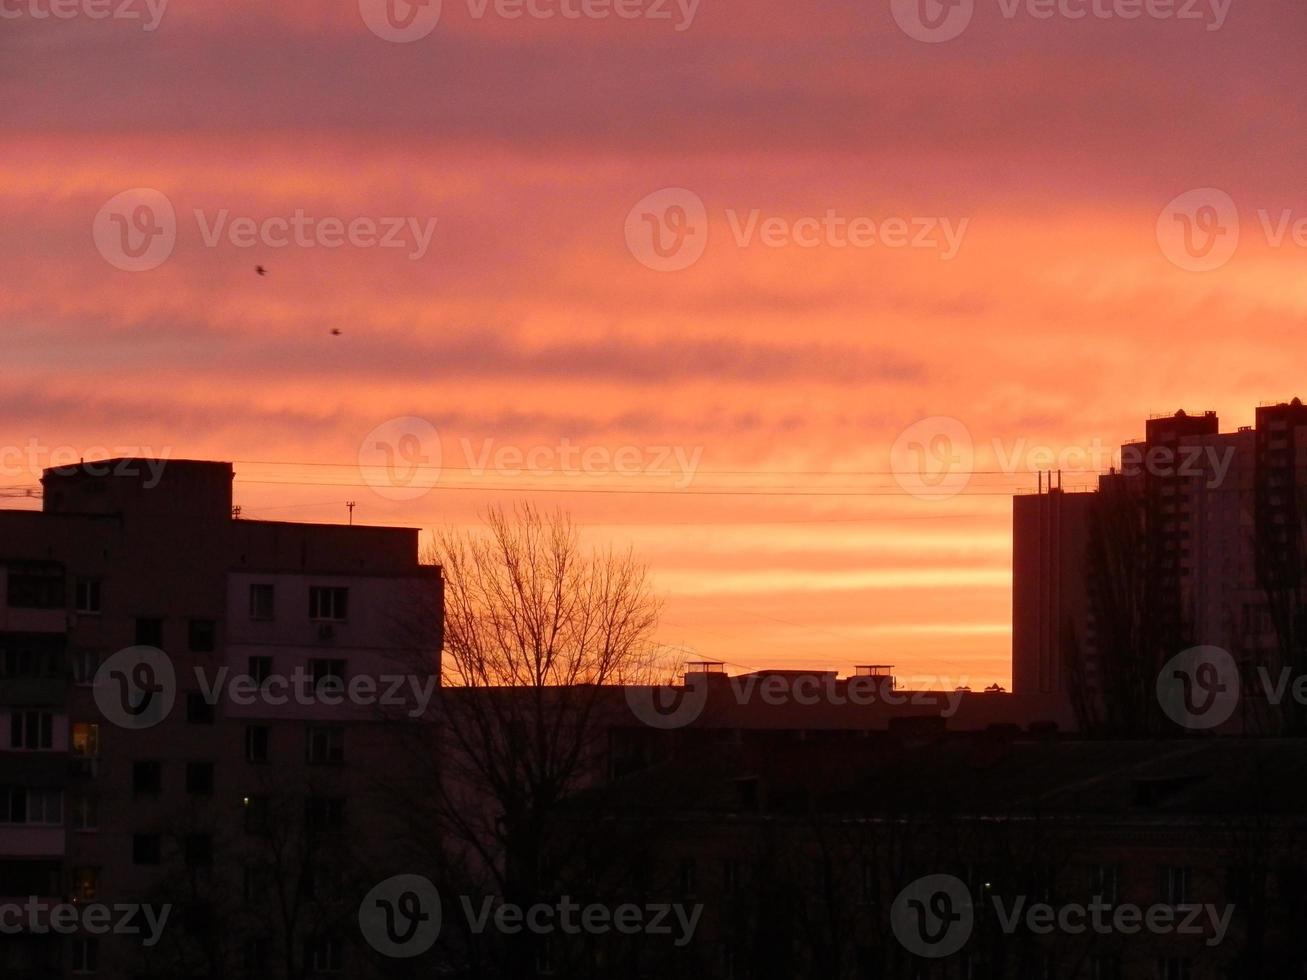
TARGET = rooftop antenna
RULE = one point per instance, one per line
(350, 505)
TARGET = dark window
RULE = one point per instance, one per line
(260, 669)
(149, 631)
(326, 744)
(329, 603)
(325, 814)
(86, 955)
(86, 596)
(328, 675)
(147, 778)
(263, 601)
(145, 849)
(199, 850)
(256, 743)
(36, 585)
(199, 778)
(202, 635)
(31, 730)
(198, 710)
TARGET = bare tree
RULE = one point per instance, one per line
(539, 633)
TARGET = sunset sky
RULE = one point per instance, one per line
(754, 395)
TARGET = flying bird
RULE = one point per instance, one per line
(260, 270)
(335, 331)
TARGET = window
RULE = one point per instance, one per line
(86, 955)
(1102, 883)
(201, 635)
(145, 848)
(256, 743)
(85, 813)
(1175, 885)
(326, 744)
(199, 778)
(325, 814)
(147, 778)
(1105, 968)
(199, 850)
(324, 954)
(149, 632)
(31, 730)
(31, 806)
(86, 740)
(260, 669)
(85, 882)
(36, 585)
(263, 601)
(328, 675)
(31, 655)
(1175, 968)
(86, 596)
(85, 663)
(330, 603)
(198, 710)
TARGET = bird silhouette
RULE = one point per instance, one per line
(335, 331)
(260, 270)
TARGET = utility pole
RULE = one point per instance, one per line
(350, 505)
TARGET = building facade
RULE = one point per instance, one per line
(239, 800)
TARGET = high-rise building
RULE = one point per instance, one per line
(1170, 551)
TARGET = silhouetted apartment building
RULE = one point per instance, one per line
(1171, 551)
(238, 796)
